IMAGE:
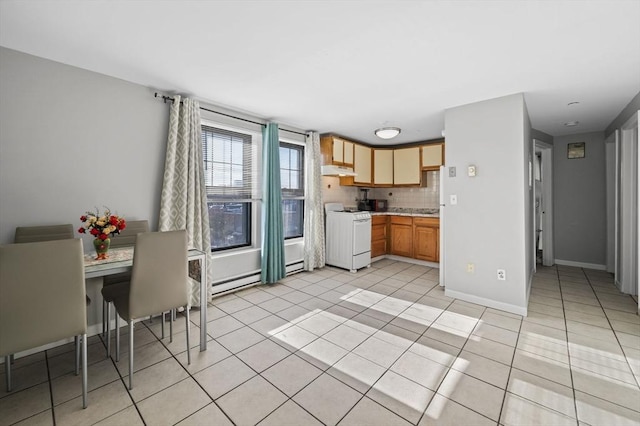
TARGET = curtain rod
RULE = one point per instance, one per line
(169, 98)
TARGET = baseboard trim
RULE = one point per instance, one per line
(407, 260)
(595, 266)
(507, 307)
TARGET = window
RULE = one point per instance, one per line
(292, 183)
(228, 166)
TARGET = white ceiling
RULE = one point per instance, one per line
(352, 66)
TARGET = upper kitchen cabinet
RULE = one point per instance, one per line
(336, 151)
(383, 167)
(433, 156)
(361, 166)
(406, 166)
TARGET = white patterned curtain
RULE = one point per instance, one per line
(313, 210)
(183, 204)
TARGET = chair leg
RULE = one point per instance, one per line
(76, 339)
(7, 370)
(162, 324)
(170, 326)
(188, 325)
(84, 370)
(117, 337)
(105, 317)
(130, 354)
(108, 326)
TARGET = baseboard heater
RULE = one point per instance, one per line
(234, 284)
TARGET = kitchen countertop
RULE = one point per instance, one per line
(406, 211)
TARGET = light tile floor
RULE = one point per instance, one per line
(384, 346)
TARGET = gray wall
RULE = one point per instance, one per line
(541, 136)
(72, 140)
(631, 108)
(489, 225)
(579, 200)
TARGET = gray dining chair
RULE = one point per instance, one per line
(42, 304)
(31, 234)
(158, 284)
(117, 284)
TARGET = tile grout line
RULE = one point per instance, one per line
(506, 386)
(566, 332)
(626, 358)
(53, 407)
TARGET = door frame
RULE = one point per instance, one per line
(628, 264)
(546, 157)
(612, 158)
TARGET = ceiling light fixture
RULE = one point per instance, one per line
(387, 132)
(571, 123)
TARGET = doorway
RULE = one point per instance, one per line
(543, 203)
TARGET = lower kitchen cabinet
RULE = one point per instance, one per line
(415, 237)
(379, 235)
(426, 238)
(401, 235)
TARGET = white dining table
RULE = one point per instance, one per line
(121, 260)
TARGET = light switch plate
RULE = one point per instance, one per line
(471, 171)
(452, 172)
(453, 200)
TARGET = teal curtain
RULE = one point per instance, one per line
(273, 266)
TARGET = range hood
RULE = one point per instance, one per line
(332, 170)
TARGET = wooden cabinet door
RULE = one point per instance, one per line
(401, 236)
(406, 166)
(383, 167)
(425, 243)
(432, 156)
(379, 232)
(338, 151)
(347, 153)
(426, 238)
(362, 164)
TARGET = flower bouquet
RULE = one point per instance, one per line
(102, 227)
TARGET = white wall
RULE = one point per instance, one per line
(489, 226)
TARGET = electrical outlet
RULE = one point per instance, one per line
(471, 268)
(502, 274)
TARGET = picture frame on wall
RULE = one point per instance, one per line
(575, 150)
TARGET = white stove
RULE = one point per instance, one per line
(348, 237)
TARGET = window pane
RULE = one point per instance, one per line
(237, 180)
(229, 224)
(229, 181)
(284, 158)
(293, 214)
(284, 179)
(238, 147)
(295, 180)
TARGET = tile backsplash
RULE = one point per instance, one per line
(424, 197)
